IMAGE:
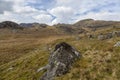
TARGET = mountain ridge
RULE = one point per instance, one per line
(61, 28)
(81, 23)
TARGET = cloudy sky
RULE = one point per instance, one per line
(58, 11)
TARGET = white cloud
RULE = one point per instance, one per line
(8, 16)
(25, 9)
(43, 18)
(62, 14)
(64, 11)
(100, 16)
(5, 6)
(65, 2)
(96, 9)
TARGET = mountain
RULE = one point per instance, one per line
(33, 25)
(10, 25)
(90, 23)
(79, 27)
(26, 24)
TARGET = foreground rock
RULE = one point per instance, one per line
(60, 61)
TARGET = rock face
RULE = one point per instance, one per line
(60, 61)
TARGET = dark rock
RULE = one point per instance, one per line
(60, 61)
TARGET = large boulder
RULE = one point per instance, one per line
(60, 61)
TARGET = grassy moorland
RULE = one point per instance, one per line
(13, 45)
(22, 54)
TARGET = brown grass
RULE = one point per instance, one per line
(27, 52)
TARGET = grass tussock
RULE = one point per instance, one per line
(20, 57)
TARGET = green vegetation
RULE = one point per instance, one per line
(21, 56)
(100, 61)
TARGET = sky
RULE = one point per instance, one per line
(58, 11)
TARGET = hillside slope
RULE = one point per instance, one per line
(24, 51)
(100, 60)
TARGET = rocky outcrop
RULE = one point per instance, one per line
(109, 35)
(60, 61)
(105, 36)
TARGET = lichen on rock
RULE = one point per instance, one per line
(60, 61)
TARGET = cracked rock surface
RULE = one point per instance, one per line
(60, 61)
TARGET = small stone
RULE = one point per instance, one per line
(117, 44)
(10, 68)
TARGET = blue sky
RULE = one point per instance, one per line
(58, 11)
